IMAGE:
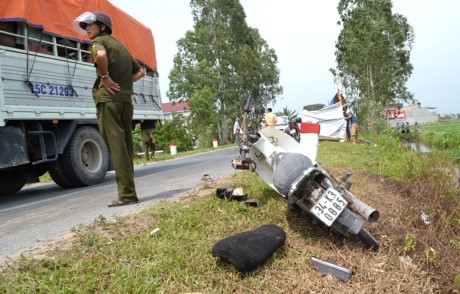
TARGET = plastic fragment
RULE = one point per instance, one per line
(331, 268)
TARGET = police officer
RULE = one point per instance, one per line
(116, 71)
(148, 142)
(270, 118)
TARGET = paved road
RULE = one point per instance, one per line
(41, 212)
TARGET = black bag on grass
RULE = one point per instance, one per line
(248, 250)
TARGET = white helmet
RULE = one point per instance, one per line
(86, 18)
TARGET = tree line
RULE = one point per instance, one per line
(222, 60)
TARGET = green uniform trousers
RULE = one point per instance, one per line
(148, 143)
(114, 120)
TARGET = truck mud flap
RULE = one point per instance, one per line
(13, 147)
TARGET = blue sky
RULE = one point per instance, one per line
(303, 35)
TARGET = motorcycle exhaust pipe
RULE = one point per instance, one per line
(367, 212)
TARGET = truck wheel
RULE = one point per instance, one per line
(368, 240)
(13, 179)
(58, 176)
(86, 158)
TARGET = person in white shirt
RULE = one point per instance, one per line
(236, 131)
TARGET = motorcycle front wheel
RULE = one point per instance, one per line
(368, 239)
(297, 136)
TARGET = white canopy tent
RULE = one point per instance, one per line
(331, 120)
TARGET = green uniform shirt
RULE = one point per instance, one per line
(121, 67)
(145, 135)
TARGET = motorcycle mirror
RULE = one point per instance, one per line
(297, 120)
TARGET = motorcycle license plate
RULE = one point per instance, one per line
(293, 131)
(329, 206)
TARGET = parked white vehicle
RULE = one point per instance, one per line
(282, 123)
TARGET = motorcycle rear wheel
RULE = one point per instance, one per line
(368, 239)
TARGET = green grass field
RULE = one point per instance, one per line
(448, 126)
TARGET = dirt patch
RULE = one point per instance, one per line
(41, 250)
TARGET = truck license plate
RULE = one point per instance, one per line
(329, 206)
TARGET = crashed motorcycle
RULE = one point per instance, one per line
(290, 127)
(294, 128)
(290, 168)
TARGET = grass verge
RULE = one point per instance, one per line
(121, 255)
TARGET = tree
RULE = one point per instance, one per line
(225, 60)
(373, 56)
(203, 121)
(289, 113)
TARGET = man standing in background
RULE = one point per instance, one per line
(347, 120)
(270, 118)
(236, 130)
(353, 125)
(148, 142)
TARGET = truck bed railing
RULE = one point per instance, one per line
(47, 77)
(38, 42)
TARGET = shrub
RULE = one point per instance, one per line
(173, 131)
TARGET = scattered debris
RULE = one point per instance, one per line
(369, 142)
(207, 179)
(154, 231)
(241, 164)
(406, 260)
(331, 268)
(238, 195)
(425, 218)
(231, 194)
(252, 202)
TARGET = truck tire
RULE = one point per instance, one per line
(86, 158)
(58, 176)
(368, 240)
(13, 179)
